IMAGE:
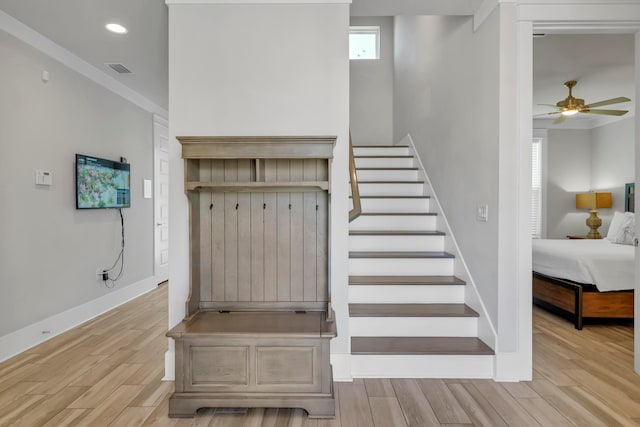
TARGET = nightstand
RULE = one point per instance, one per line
(577, 237)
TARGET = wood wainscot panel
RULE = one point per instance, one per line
(218, 365)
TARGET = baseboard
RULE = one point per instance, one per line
(512, 367)
(170, 361)
(341, 364)
(32, 335)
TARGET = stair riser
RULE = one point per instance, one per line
(384, 162)
(413, 326)
(391, 189)
(387, 175)
(380, 151)
(406, 294)
(395, 205)
(401, 267)
(396, 243)
(422, 366)
(394, 222)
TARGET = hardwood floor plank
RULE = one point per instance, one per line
(578, 414)
(414, 404)
(379, 387)
(66, 417)
(600, 409)
(616, 399)
(158, 417)
(132, 416)
(443, 402)
(94, 397)
(520, 390)
(508, 408)
(476, 406)
(111, 407)
(333, 422)
(386, 412)
(48, 407)
(354, 397)
(18, 407)
(544, 413)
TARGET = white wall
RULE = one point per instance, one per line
(49, 251)
(568, 172)
(446, 88)
(599, 159)
(371, 89)
(260, 70)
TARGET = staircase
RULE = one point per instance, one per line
(406, 308)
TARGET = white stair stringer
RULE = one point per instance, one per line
(397, 257)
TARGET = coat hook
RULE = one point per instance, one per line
(237, 204)
(316, 207)
(211, 206)
(264, 206)
(289, 206)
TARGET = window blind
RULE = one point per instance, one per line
(536, 188)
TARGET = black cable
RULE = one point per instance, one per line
(120, 257)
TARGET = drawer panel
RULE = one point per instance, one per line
(222, 365)
(285, 365)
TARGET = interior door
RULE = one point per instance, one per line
(161, 197)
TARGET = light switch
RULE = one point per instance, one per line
(147, 188)
(482, 213)
(43, 177)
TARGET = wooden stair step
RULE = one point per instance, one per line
(398, 213)
(387, 169)
(380, 146)
(419, 345)
(393, 197)
(383, 157)
(395, 233)
(411, 310)
(405, 280)
(405, 255)
(389, 182)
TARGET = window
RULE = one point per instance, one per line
(364, 42)
(536, 188)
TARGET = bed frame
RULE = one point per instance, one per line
(578, 301)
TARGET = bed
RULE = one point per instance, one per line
(584, 278)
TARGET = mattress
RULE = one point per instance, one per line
(608, 266)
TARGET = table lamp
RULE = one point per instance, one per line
(593, 201)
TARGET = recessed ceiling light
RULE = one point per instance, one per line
(116, 28)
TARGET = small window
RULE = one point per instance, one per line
(364, 42)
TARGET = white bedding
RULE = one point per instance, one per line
(607, 265)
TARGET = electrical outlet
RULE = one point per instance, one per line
(482, 213)
(100, 275)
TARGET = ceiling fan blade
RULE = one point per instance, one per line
(606, 112)
(608, 102)
(546, 114)
(549, 105)
(560, 120)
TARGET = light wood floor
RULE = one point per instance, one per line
(108, 372)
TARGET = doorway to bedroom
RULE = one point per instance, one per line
(573, 157)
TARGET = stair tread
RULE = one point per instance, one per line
(380, 146)
(395, 233)
(408, 168)
(390, 182)
(380, 254)
(385, 157)
(405, 280)
(398, 213)
(419, 345)
(411, 310)
(394, 197)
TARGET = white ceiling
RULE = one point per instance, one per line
(78, 26)
(602, 64)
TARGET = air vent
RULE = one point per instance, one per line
(119, 68)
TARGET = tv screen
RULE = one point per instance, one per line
(101, 183)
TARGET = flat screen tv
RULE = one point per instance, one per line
(101, 183)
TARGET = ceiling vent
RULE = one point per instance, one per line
(119, 68)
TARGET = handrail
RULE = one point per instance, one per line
(355, 192)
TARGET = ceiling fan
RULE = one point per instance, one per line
(570, 106)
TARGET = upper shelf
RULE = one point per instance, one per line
(257, 147)
(227, 186)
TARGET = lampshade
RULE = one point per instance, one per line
(593, 200)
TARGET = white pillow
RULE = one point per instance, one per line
(622, 228)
